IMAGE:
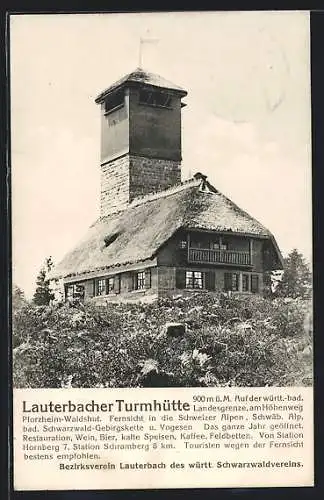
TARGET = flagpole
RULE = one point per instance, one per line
(140, 54)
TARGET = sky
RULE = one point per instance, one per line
(247, 123)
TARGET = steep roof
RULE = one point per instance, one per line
(144, 77)
(136, 233)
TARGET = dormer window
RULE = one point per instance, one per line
(155, 98)
(111, 238)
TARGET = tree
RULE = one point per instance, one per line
(297, 278)
(43, 293)
(18, 297)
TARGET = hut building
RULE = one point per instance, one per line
(157, 236)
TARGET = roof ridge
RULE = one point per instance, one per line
(140, 200)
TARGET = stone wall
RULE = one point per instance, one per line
(114, 194)
(149, 175)
(128, 177)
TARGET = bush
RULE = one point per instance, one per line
(239, 341)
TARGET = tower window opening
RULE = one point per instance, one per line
(114, 101)
(154, 98)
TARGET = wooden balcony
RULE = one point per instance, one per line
(227, 257)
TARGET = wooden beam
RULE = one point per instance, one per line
(251, 250)
(240, 283)
(188, 245)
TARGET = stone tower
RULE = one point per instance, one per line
(140, 138)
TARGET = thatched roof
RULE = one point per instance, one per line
(136, 233)
(139, 76)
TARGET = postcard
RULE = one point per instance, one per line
(162, 241)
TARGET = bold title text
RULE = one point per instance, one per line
(119, 405)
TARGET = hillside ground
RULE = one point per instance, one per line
(239, 341)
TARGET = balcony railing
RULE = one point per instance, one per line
(231, 257)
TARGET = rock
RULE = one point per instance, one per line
(174, 329)
(149, 366)
(308, 351)
(154, 379)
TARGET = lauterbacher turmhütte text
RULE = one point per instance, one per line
(119, 405)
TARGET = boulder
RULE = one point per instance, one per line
(175, 329)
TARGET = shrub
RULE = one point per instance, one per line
(239, 341)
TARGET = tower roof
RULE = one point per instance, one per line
(140, 76)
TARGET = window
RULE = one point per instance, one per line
(101, 287)
(194, 279)
(254, 283)
(189, 279)
(75, 291)
(196, 244)
(231, 282)
(155, 98)
(214, 245)
(140, 280)
(235, 282)
(105, 286)
(110, 284)
(218, 244)
(245, 283)
(114, 101)
(183, 244)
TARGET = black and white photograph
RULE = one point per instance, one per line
(161, 200)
